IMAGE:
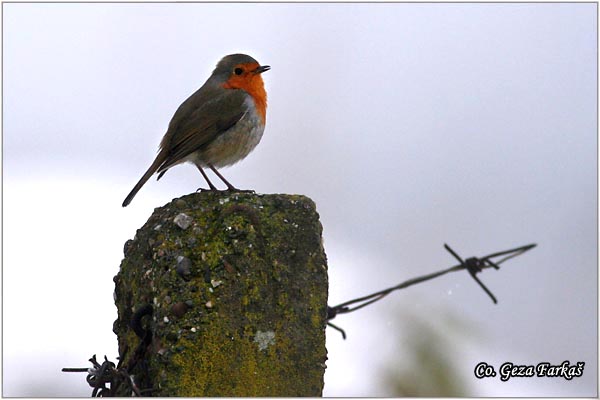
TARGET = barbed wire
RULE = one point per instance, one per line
(473, 265)
(107, 380)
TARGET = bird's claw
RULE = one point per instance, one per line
(228, 190)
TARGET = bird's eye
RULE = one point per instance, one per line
(238, 71)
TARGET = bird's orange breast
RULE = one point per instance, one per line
(252, 84)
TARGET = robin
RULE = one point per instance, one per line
(218, 125)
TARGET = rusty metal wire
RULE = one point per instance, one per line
(107, 380)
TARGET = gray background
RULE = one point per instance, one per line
(410, 125)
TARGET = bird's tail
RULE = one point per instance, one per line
(159, 160)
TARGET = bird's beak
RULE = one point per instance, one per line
(261, 69)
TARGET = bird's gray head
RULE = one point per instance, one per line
(236, 64)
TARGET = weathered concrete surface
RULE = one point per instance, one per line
(238, 288)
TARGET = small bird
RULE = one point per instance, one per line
(218, 125)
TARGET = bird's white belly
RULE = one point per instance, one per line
(232, 145)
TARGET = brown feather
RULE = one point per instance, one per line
(194, 127)
(157, 162)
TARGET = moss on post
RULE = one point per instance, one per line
(237, 285)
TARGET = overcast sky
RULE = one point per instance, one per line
(409, 125)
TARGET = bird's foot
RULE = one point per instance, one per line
(236, 190)
(228, 190)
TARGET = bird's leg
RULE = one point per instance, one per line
(230, 187)
(210, 185)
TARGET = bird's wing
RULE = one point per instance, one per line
(197, 123)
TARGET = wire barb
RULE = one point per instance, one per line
(475, 265)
